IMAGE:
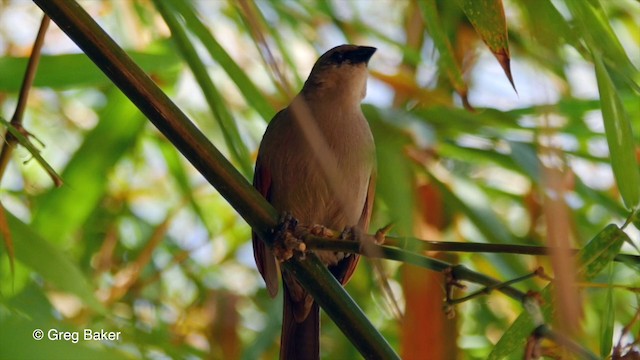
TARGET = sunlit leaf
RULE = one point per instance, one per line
(600, 251)
(214, 98)
(447, 57)
(391, 143)
(62, 211)
(619, 137)
(487, 17)
(594, 257)
(24, 141)
(47, 260)
(250, 91)
(53, 70)
(593, 25)
(608, 319)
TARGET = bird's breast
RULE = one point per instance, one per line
(325, 183)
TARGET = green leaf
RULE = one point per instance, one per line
(252, 94)
(214, 98)
(595, 256)
(594, 27)
(608, 319)
(391, 142)
(475, 204)
(600, 251)
(547, 24)
(447, 59)
(619, 137)
(179, 175)
(24, 141)
(76, 70)
(62, 211)
(41, 256)
(524, 155)
(487, 17)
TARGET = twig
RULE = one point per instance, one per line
(416, 244)
(488, 289)
(16, 120)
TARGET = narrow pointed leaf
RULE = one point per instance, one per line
(447, 59)
(24, 141)
(607, 321)
(214, 98)
(593, 26)
(250, 91)
(619, 137)
(53, 70)
(487, 17)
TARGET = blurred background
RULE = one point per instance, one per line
(137, 241)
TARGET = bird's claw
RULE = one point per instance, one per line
(320, 230)
(286, 243)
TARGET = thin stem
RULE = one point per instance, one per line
(488, 289)
(418, 245)
(27, 82)
(459, 272)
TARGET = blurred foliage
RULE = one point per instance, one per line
(137, 242)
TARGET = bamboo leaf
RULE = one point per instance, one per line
(24, 141)
(250, 91)
(214, 98)
(447, 59)
(62, 211)
(487, 17)
(608, 319)
(600, 251)
(594, 257)
(619, 137)
(44, 258)
(53, 70)
(594, 27)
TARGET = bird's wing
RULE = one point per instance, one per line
(265, 260)
(365, 218)
(348, 265)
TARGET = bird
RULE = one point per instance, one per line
(316, 162)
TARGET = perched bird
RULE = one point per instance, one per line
(317, 163)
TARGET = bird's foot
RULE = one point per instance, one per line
(286, 243)
(320, 230)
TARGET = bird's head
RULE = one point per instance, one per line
(341, 71)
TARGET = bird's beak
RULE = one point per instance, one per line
(362, 54)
